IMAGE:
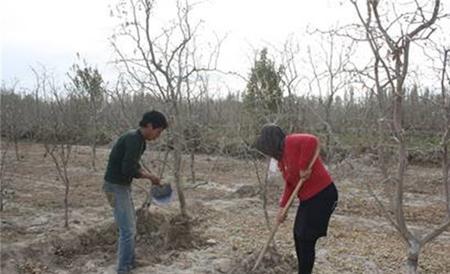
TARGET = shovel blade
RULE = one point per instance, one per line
(162, 194)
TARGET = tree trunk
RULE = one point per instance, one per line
(94, 152)
(445, 169)
(1, 193)
(328, 129)
(264, 195)
(66, 206)
(94, 143)
(413, 257)
(16, 147)
(66, 192)
(2, 173)
(193, 166)
(401, 146)
(383, 163)
(446, 135)
(177, 162)
(177, 175)
(263, 190)
(328, 145)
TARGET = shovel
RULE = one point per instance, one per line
(161, 194)
(285, 209)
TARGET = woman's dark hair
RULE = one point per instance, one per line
(271, 141)
(156, 118)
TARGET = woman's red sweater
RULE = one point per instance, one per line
(298, 151)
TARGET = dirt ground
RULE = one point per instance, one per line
(226, 229)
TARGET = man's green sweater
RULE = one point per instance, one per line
(123, 164)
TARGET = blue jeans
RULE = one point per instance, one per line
(120, 199)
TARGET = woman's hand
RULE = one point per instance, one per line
(305, 174)
(280, 216)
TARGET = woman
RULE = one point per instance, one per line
(318, 195)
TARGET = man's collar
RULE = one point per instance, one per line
(140, 134)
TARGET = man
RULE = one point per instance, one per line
(123, 166)
(318, 195)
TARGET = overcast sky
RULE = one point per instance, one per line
(51, 32)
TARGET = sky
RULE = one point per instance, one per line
(50, 33)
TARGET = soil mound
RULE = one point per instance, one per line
(272, 263)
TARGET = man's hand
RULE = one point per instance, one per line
(305, 174)
(154, 179)
(280, 216)
(147, 175)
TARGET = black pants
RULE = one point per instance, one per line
(311, 223)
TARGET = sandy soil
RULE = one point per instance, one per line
(226, 229)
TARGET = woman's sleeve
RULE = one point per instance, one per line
(289, 179)
(288, 189)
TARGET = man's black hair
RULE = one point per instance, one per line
(156, 118)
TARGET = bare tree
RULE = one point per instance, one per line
(263, 184)
(161, 63)
(58, 135)
(391, 47)
(119, 105)
(329, 59)
(445, 90)
(291, 80)
(441, 55)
